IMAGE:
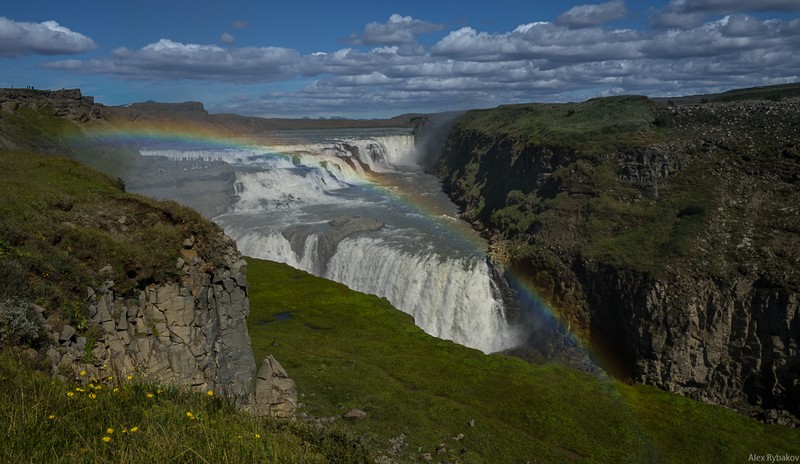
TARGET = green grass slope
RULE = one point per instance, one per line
(348, 350)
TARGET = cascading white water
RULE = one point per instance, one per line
(449, 298)
(296, 204)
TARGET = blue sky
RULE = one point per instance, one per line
(382, 58)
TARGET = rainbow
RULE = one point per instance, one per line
(197, 135)
(193, 135)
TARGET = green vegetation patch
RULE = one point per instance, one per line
(771, 92)
(348, 350)
(590, 126)
(130, 420)
(64, 227)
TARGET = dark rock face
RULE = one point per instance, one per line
(727, 343)
(191, 333)
(68, 103)
(712, 313)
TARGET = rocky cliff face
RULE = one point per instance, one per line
(191, 333)
(67, 103)
(673, 253)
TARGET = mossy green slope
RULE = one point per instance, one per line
(348, 350)
(61, 224)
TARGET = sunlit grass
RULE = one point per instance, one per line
(349, 350)
(110, 420)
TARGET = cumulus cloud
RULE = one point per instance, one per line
(687, 14)
(540, 40)
(240, 24)
(397, 30)
(47, 38)
(166, 59)
(226, 38)
(593, 15)
(535, 61)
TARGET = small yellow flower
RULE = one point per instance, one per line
(98, 387)
(124, 430)
(149, 395)
(189, 415)
(211, 393)
(106, 439)
(110, 377)
(134, 429)
(79, 389)
(92, 396)
(70, 394)
(130, 377)
(158, 391)
(258, 435)
(109, 431)
(51, 417)
(91, 385)
(83, 372)
(115, 390)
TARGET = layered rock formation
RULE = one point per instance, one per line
(671, 246)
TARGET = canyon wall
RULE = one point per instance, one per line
(668, 242)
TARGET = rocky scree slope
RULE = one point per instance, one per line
(667, 236)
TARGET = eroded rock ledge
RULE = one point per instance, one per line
(191, 333)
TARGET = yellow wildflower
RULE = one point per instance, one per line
(158, 391)
(51, 417)
(115, 390)
(189, 415)
(79, 389)
(134, 429)
(83, 372)
(211, 393)
(70, 394)
(109, 430)
(149, 395)
(258, 435)
(106, 439)
(91, 385)
(130, 377)
(110, 377)
(98, 387)
(124, 430)
(92, 396)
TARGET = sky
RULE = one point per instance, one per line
(384, 58)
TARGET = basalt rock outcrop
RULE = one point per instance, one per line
(67, 103)
(190, 333)
(669, 241)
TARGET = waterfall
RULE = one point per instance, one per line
(314, 206)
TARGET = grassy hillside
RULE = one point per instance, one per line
(348, 350)
(64, 227)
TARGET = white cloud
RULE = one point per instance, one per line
(397, 30)
(540, 41)
(687, 14)
(47, 38)
(166, 59)
(536, 61)
(240, 24)
(227, 38)
(593, 15)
